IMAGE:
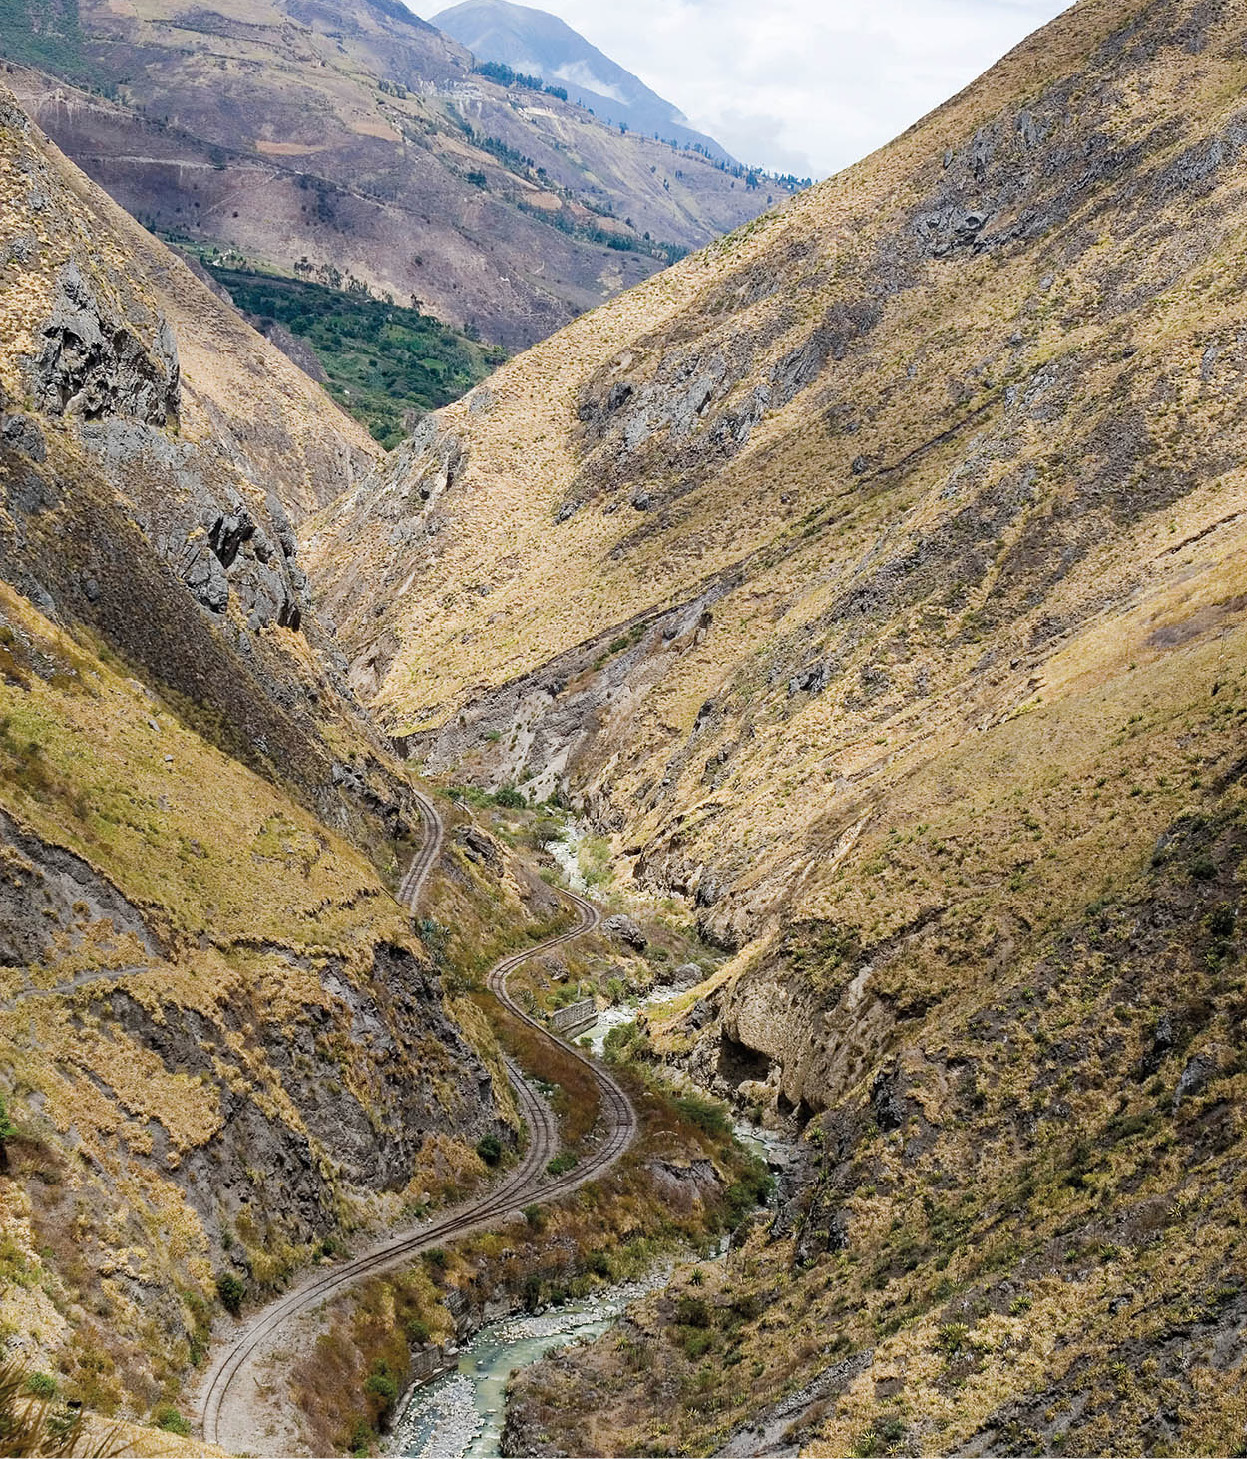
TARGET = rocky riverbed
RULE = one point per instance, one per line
(460, 1415)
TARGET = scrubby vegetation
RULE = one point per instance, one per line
(612, 1231)
(385, 362)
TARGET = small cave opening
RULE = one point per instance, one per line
(738, 1062)
(803, 1109)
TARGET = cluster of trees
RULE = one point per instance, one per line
(383, 360)
(506, 76)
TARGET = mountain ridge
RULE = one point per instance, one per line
(537, 42)
(345, 140)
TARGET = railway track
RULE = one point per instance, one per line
(224, 1399)
(425, 859)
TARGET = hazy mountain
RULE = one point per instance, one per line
(535, 42)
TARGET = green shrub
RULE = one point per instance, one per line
(510, 798)
(42, 1385)
(952, 1338)
(562, 1163)
(231, 1290)
(362, 1438)
(382, 1384)
(168, 1418)
(417, 1332)
(1221, 921)
(489, 1148)
(692, 1312)
(706, 1114)
(696, 1342)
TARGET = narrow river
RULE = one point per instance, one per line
(460, 1415)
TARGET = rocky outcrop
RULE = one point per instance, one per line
(624, 929)
(93, 365)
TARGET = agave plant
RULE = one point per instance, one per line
(31, 1424)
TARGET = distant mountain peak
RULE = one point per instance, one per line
(538, 43)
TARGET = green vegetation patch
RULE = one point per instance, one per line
(45, 34)
(384, 361)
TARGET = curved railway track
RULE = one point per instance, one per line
(425, 859)
(223, 1404)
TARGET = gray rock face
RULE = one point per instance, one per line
(625, 930)
(23, 434)
(208, 534)
(682, 1185)
(94, 366)
(478, 846)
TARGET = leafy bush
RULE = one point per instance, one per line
(1221, 921)
(231, 1289)
(382, 1384)
(168, 1418)
(362, 1438)
(561, 1164)
(510, 798)
(696, 1342)
(952, 1338)
(42, 1385)
(692, 1312)
(706, 1114)
(489, 1148)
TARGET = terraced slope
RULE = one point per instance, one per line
(348, 139)
(875, 577)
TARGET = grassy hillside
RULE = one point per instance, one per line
(199, 831)
(874, 578)
(355, 136)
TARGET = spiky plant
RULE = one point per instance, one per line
(31, 1424)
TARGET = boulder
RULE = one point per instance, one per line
(625, 930)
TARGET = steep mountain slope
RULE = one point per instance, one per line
(350, 139)
(877, 578)
(535, 42)
(198, 828)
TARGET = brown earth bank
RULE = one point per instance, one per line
(874, 581)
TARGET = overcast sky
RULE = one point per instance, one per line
(805, 86)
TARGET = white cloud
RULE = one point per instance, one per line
(802, 85)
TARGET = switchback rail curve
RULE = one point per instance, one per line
(222, 1407)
